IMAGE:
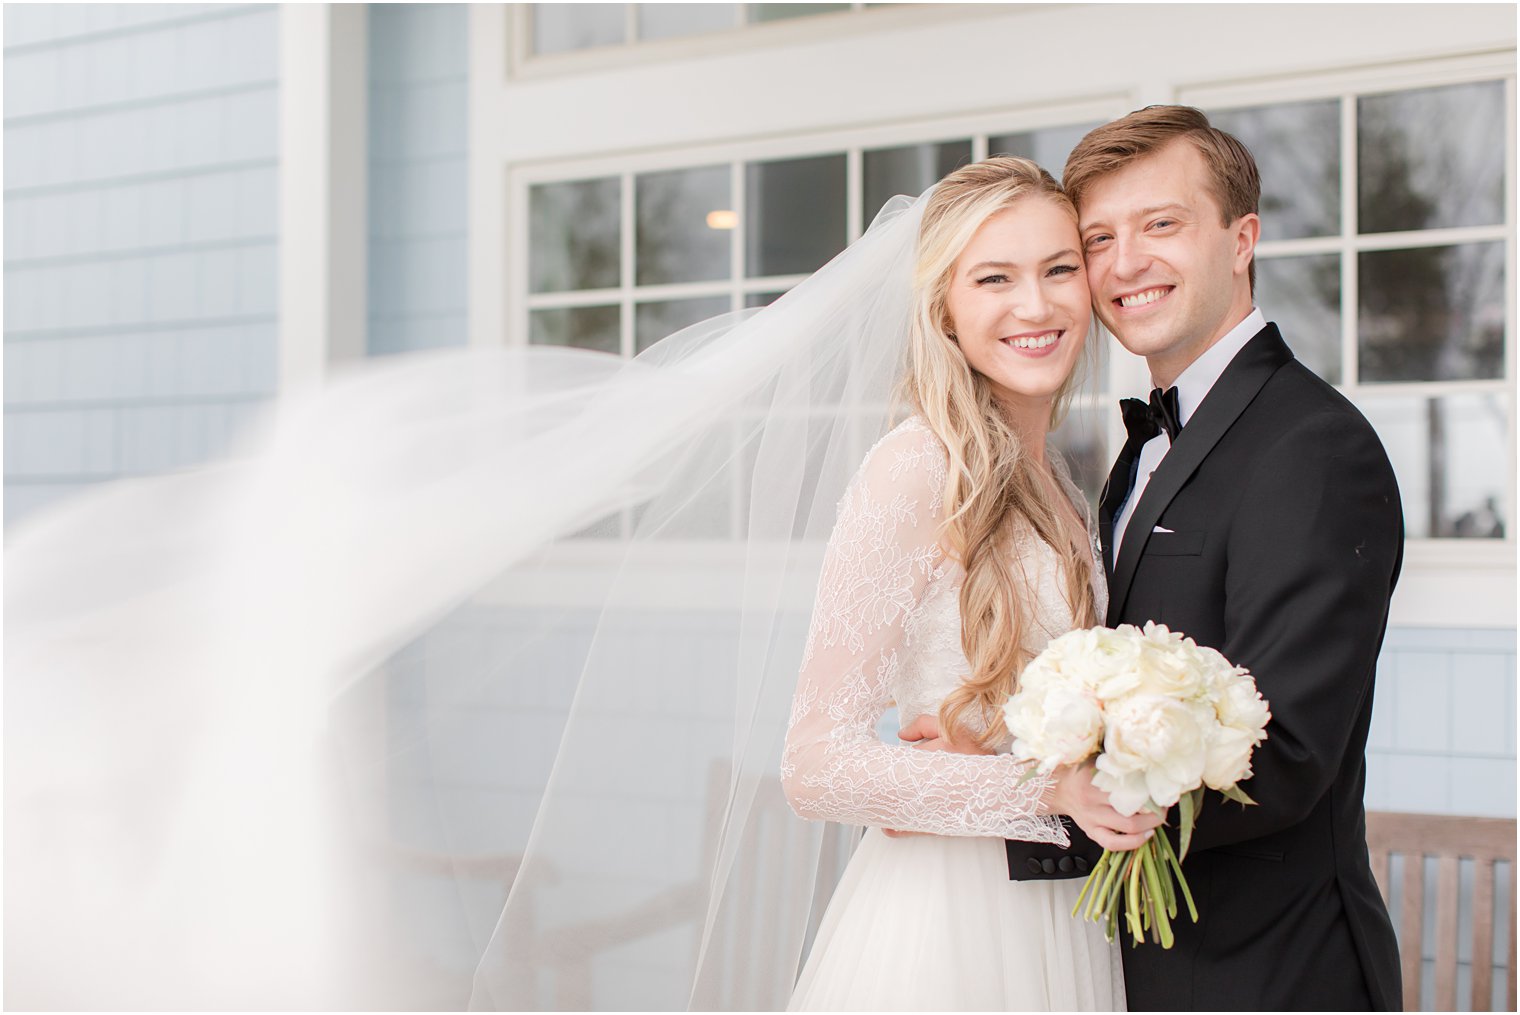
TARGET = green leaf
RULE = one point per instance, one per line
(1238, 795)
(1187, 812)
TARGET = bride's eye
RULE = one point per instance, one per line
(1064, 269)
(992, 280)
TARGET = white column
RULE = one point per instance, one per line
(489, 39)
(323, 156)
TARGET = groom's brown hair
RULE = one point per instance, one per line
(1234, 180)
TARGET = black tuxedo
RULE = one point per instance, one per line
(1286, 537)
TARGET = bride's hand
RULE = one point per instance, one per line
(1072, 793)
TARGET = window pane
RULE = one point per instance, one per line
(1431, 158)
(781, 12)
(908, 170)
(795, 212)
(573, 235)
(1432, 313)
(558, 28)
(674, 239)
(653, 321)
(1080, 439)
(1048, 146)
(670, 21)
(1448, 454)
(581, 327)
(1297, 147)
(1303, 296)
(762, 299)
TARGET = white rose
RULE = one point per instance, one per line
(1164, 737)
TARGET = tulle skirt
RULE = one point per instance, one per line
(932, 923)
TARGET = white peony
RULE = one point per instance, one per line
(1162, 736)
(1229, 757)
(1062, 726)
(1240, 705)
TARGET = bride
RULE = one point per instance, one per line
(959, 551)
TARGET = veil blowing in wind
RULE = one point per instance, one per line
(275, 728)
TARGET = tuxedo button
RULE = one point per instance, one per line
(1048, 865)
(1067, 865)
(1081, 865)
(1033, 865)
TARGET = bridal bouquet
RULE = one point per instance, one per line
(1165, 717)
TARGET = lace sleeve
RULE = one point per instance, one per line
(881, 558)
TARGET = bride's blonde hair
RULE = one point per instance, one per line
(992, 480)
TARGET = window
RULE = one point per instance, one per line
(562, 28)
(614, 263)
(1385, 254)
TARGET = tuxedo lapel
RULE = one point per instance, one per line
(1260, 358)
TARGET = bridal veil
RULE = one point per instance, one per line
(276, 728)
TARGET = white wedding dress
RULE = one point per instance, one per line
(926, 922)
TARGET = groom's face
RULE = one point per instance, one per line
(1169, 277)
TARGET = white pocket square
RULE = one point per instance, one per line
(1160, 529)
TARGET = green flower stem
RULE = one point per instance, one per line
(1156, 895)
(1132, 911)
(1089, 891)
(1176, 865)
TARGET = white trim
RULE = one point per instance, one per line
(323, 165)
(1409, 240)
(1396, 75)
(489, 220)
(741, 37)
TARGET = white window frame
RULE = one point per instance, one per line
(1445, 582)
(524, 64)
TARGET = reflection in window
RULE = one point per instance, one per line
(1431, 158)
(910, 170)
(1302, 295)
(559, 28)
(574, 231)
(653, 321)
(593, 328)
(1297, 147)
(781, 12)
(670, 21)
(795, 213)
(1446, 453)
(1048, 146)
(1432, 313)
(674, 218)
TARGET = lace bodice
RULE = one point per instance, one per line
(886, 627)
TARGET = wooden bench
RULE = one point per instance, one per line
(1450, 840)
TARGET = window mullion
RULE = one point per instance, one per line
(1350, 280)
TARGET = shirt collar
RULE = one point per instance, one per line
(1194, 383)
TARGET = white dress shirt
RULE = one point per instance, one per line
(1192, 387)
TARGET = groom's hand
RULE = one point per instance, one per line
(1073, 794)
(924, 734)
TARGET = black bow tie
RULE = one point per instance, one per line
(1145, 420)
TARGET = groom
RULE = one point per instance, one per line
(1253, 509)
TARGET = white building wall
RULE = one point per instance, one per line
(141, 237)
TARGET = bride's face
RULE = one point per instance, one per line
(1018, 301)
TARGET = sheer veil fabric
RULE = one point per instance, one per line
(274, 727)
